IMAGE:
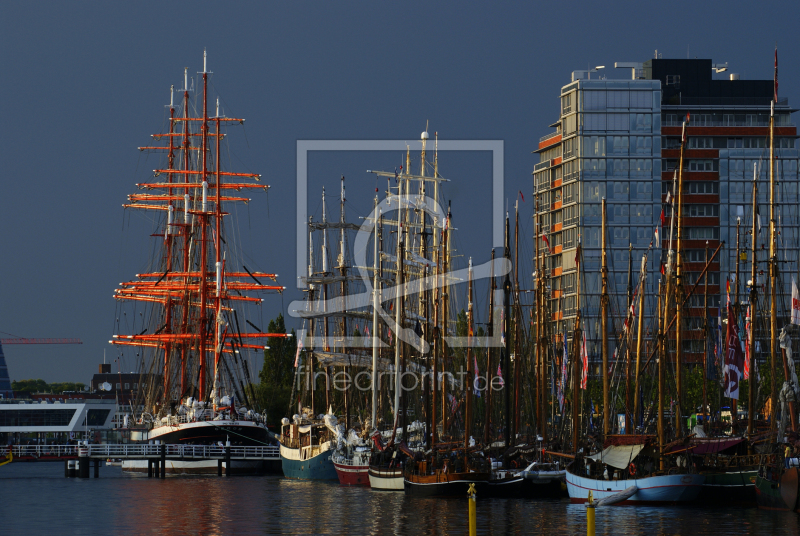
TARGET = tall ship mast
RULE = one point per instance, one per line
(193, 300)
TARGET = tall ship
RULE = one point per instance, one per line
(187, 315)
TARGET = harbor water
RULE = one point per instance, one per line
(37, 499)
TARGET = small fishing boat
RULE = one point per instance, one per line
(305, 450)
(620, 467)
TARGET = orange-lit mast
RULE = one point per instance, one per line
(190, 289)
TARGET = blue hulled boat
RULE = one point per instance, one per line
(306, 449)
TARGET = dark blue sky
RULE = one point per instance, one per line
(84, 84)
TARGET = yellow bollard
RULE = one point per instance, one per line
(473, 523)
(590, 516)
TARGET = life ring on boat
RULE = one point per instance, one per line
(632, 469)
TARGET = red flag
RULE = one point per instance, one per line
(522, 196)
(663, 219)
(546, 241)
(734, 359)
(662, 268)
(776, 75)
(584, 363)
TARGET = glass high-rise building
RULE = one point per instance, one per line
(620, 139)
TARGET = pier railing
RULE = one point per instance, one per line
(134, 451)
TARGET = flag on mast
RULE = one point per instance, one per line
(733, 357)
(776, 74)
(584, 363)
(795, 303)
(747, 345)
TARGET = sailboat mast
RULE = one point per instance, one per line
(468, 391)
(375, 302)
(537, 347)
(517, 324)
(753, 301)
(186, 224)
(639, 332)
(436, 347)
(734, 402)
(402, 346)
(679, 293)
(576, 350)
(168, 239)
(397, 306)
(773, 269)
(203, 234)
(628, 337)
(604, 325)
(343, 293)
(507, 360)
(662, 353)
(706, 330)
(325, 344)
(489, 370)
(445, 317)
(218, 262)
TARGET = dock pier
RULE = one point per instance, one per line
(79, 459)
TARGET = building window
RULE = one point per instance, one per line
(642, 145)
(701, 165)
(570, 148)
(594, 100)
(569, 124)
(619, 145)
(594, 146)
(566, 103)
(641, 99)
(641, 122)
(118, 386)
(593, 191)
(673, 79)
(700, 210)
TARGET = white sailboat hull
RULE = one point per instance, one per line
(665, 489)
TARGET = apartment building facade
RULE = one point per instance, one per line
(620, 140)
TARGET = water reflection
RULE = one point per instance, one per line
(38, 499)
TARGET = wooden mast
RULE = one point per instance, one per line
(734, 402)
(487, 436)
(203, 235)
(679, 292)
(517, 323)
(604, 325)
(168, 233)
(468, 392)
(445, 298)
(628, 337)
(507, 359)
(537, 347)
(706, 331)
(753, 301)
(576, 350)
(541, 339)
(343, 294)
(186, 229)
(662, 342)
(640, 329)
(375, 301)
(773, 269)
(325, 345)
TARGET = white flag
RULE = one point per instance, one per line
(795, 303)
